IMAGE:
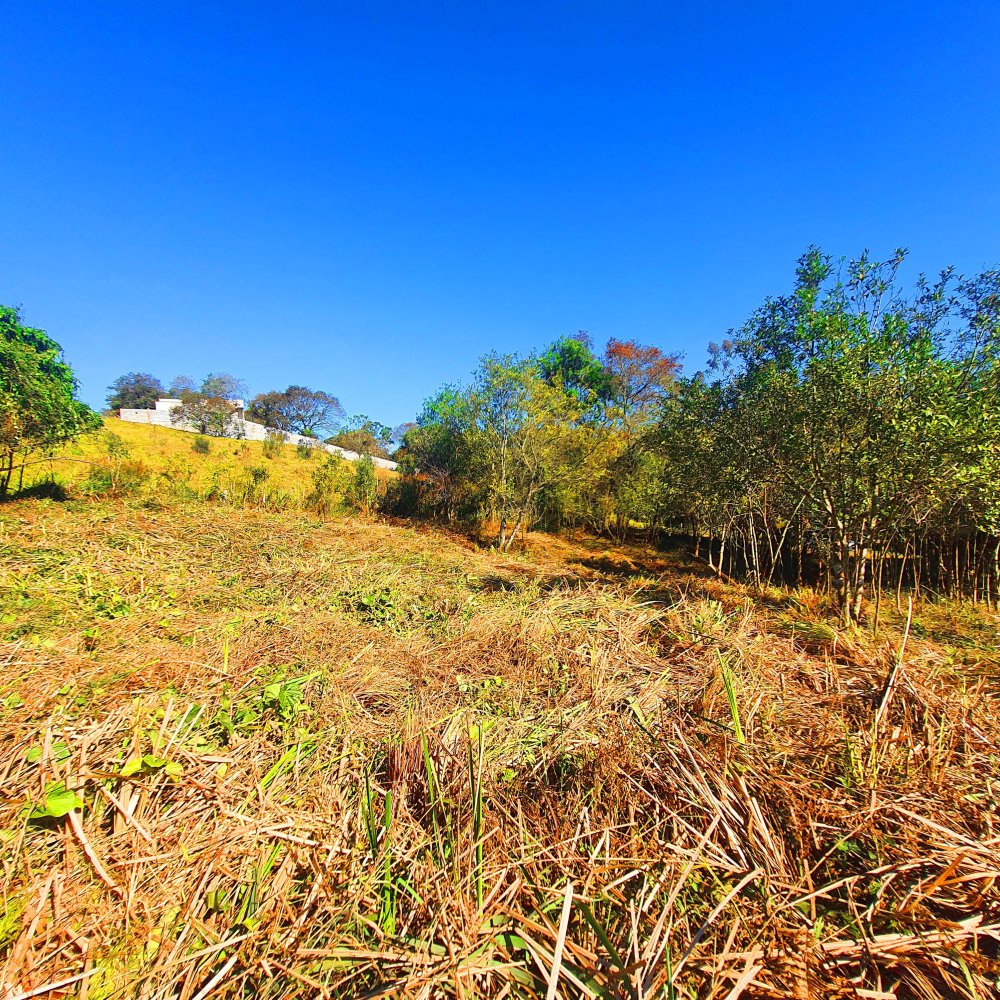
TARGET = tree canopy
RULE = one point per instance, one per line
(38, 404)
(364, 435)
(135, 391)
(297, 410)
(210, 408)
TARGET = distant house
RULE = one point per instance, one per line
(161, 415)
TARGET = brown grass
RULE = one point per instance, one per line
(564, 772)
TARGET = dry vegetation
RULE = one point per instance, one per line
(160, 460)
(255, 754)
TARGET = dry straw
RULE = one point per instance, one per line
(252, 754)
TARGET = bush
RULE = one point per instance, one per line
(362, 491)
(304, 450)
(116, 476)
(201, 444)
(258, 475)
(328, 486)
(274, 441)
(401, 497)
(116, 447)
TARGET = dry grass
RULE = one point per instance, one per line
(339, 759)
(166, 461)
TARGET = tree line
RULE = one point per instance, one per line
(847, 436)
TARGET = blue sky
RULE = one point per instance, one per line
(366, 197)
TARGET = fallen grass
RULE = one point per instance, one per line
(257, 754)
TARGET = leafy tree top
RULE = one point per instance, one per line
(135, 391)
(364, 435)
(38, 404)
(297, 409)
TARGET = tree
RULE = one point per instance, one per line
(212, 415)
(636, 381)
(296, 410)
(362, 488)
(38, 405)
(436, 454)
(221, 385)
(135, 391)
(858, 421)
(265, 408)
(570, 364)
(528, 440)
(212, 408)
(365, 436)
(181, 384)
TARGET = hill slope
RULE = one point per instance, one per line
(327, 758)
(166, 462)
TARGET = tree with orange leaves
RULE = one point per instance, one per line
(638, 380)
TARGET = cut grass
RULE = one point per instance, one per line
(342, 758)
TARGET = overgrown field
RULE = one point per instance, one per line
(247, 753)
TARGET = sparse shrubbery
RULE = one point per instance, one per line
(305, 451)
(201, 445)
(118, 471)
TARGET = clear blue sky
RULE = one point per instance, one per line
(366, 197)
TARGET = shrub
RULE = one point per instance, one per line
(362, 490)
(274, 441)
(401, 497)
(201, 444)
(116, 446)
(304, 450)
(327, 486)
(258, 475)
(115, 477)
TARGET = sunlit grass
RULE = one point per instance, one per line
(328, 757)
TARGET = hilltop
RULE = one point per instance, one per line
(253, 751)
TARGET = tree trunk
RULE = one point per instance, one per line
(6, 471)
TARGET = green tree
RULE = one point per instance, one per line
(364, 435)
(38, 405)
(853, 416)
(570, 363)
(135, 391)
(436, 455)
(211, 409)
(296, 410)
(528, 442)
(222, 385)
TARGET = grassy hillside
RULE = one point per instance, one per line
(250, 753)
(164, 461)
